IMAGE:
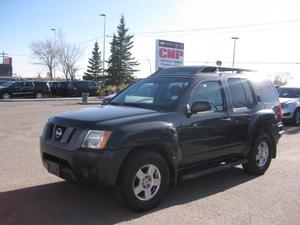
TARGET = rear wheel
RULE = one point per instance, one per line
(296, 118)
(259, 157)
(39, 95)
(6, 96)
(143, 181)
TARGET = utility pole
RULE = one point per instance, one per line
(103, 53)
(54, 45)
(3, 56)
(234, 43)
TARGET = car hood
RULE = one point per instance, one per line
(96, 115)
(284, 100)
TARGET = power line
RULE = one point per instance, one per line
(222, 27)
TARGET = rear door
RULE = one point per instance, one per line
(28, 89)
(243, 105)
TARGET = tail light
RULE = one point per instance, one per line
(280, 112)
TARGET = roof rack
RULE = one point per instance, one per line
(219, 69)
(196, 70)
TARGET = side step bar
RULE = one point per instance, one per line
(212, 169)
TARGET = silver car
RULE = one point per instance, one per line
(290, 102)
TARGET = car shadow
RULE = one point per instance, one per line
(67, 203)
(289, 130)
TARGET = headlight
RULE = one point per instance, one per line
(290, 105)
(96, 139)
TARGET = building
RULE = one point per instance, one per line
(6, 69)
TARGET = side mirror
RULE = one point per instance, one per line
(200, 106)
(258, 98)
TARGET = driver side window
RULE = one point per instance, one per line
(208, 91)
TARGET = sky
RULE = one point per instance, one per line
(268, 31)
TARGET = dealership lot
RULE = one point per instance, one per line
(29, 195)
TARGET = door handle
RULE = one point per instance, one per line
(226, 119)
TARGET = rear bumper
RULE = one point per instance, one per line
(82, 165)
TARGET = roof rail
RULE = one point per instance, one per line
(220, 69)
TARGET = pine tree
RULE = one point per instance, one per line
(94, 69)
(121, 64)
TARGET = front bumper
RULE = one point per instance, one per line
(83, 165)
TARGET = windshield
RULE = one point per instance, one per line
(7, 83)
(161, 94)
(289, 92)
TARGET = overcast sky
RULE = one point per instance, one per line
(268, 31)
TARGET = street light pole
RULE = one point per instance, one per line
(53, 29)
(149, 62)
(104, 16)
(234, 43)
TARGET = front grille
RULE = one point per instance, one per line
(60, 133)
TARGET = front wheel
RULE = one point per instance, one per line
(296, 118)
(144, 180)
(259, 157)
(6, 96)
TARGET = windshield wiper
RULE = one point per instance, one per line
(144, 106)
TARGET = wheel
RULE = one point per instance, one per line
(143, 181)
(6, 96)
(296, 118)
(39, 95)
(259, 157)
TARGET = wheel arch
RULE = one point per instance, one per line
(158, 148)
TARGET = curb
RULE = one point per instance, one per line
(92, 99)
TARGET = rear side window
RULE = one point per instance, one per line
(28, 84)
(266, 91)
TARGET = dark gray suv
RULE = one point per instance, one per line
(36, 89)
(178, 124)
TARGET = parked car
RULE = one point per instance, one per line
(58, 88)
(175, 125)
(36, 89)
(76, 88)
(290, 101)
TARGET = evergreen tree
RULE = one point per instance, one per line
(94, 69)
(121, 64)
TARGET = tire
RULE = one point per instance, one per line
(39, 95)
(296, 118)
(259, 157)
(140, 189)
(6, 95)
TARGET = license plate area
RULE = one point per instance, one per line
(53, 168)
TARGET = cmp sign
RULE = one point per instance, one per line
(168, 54)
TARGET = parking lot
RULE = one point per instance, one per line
(29, 195)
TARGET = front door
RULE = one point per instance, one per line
(206, 135)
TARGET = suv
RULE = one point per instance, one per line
(58, 88)
(76, 88)
(177, 124)
(36, 89)
(290, 102)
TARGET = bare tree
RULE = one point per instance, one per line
(68, 56)
(44, 53)
(281, 78)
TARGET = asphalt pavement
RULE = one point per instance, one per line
(29, 195)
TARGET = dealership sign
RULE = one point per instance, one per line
(168, 54)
